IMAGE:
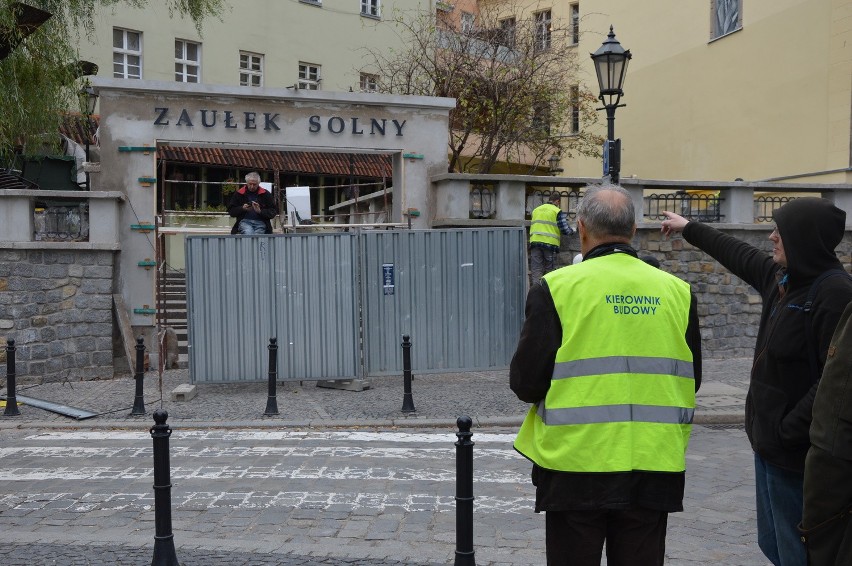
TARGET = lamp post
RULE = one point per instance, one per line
(611, 66)
(88, 100)
(553, 164)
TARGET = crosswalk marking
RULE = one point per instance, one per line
(448, 438)
(320, 500)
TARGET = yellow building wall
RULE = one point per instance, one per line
(771, 100)
(334, 36)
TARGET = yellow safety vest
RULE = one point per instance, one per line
(543, 227)
(622, 394)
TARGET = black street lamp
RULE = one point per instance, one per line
(88, 100)
(611, 66)
(553, 165)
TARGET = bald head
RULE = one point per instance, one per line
(605, 215)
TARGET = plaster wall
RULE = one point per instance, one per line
(332, 34)
(769, 101)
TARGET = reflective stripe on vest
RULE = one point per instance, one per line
(622, 393)
(543, 226)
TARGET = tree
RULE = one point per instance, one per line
(40, 73)
(515, 80)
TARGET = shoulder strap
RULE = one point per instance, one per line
(813, 357)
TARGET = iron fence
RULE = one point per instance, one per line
(704, 208)
(765, 206)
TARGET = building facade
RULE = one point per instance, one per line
(723, 89)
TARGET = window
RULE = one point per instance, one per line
(369, 83)
(371, 8)
(507, 32)
(542, 30)
(574, 112)
(251, 69)
(574, 35)
(126, 54)
(187, 61)
(540, 119)
(467, 20)
(726, 16)
(309, 76)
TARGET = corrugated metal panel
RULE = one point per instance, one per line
(298, 288)
(459, 294)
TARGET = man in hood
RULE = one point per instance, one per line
(790, 350)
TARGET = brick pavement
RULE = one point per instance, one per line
(717, 526)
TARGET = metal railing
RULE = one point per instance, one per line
(765, 206)
(704, 208)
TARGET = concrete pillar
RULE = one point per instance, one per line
(16, 217)
(737, 206)
(510, 200)
(843, 201)
(637, 194)
(103, 221)
(452, 199)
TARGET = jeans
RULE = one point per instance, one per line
(249, 227)
(542, 261)
(779, 511)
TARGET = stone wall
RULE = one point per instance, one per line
(729, 309)
(57, 306)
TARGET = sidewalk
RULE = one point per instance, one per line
(438, 399)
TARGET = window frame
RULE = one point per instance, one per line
(715, 30)
(306, 81)
(126, 52)
(186, 62)
(574, 18)
(574, 114)
(467, 22)
(248, 72)
(371, 8)
(368, 82)
(543, 29)
(508, 31)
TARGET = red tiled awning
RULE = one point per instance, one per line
(307, 162)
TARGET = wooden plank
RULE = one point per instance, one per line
(123, 317)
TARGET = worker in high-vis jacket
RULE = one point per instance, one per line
(547, 224)
(610, 358)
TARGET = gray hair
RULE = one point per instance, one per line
(253, 176)
(603, 215)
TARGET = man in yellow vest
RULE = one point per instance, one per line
(547, 223)
(610, 357)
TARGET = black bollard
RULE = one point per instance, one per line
(11, 396)
(272, 400)
(407, 399)
(464, 494)
(139, 400)
(164, 543)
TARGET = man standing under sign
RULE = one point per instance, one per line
(610, 356)
(546, 226)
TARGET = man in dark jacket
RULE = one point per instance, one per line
(610, 356)
(827, 514)
(783, 383)
(253, 207)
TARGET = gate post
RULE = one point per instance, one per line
(11, 396)
(139, 399)
(407, 399)
(271, 400)
(464, 494)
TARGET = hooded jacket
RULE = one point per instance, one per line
(781, 391)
